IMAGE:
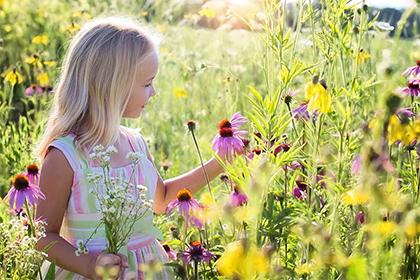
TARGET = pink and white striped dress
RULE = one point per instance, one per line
(82, 215)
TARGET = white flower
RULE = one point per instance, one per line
(134, 157)
(111, 150)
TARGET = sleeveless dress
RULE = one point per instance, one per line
(82, 215)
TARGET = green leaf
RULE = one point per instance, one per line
(51, 272)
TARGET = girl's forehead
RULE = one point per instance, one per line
(149, 66)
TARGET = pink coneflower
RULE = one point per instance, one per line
(171, 253)
(293, 165)
(229, 139)
(185, 204)
(413, 71)
(32, 172)
(23, 190)
(412, 88)
(300, 190)
(405, 112)
(237, 120)
(237, 197)
(283, 147)
(32, 89)
(196, 253)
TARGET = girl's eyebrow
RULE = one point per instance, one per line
(151, 78)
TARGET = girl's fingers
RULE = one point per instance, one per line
(124, 260)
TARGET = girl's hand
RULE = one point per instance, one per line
(108, 266)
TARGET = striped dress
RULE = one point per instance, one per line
(82, 215)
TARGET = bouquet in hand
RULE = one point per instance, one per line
(120, 202)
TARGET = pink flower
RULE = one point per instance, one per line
(186, 204)
(29, 91)
(412, 88)
(413, 71)
(356, 165)
(196, 253)
(22, 190)
(32, 172)
(360, 217)
(300, 190)
(229, 140)
(238, 198)
(171, 253)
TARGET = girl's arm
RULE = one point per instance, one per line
(55, 182)
(193, 180)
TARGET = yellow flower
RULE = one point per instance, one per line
(40, 40)
(412, 132)
(395, 129)
(354, 197)
(207, 12)
(362, 56)
(13, 77)
(42, 79)
(242, 262)
(180, 92)
(318, 97)
(50, 63)
(7, 28)
(384, 228)
(73, 27)
(34, 59)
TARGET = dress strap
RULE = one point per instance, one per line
(66, 145)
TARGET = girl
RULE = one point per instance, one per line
(107, 75)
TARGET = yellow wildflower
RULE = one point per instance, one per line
(318, 97)
(73, 27)
(355, 197)
(207, 12)
(42, 79)
(243, 261)
(362, 56)
(40, 40)
(180, 92)
(384, 228)
(34, 59)
(395, 129)
(412, 132)
(50, 63)
(13, 77)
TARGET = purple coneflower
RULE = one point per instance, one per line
(237, 197)
(237, 120)
(185, 204)
(301, 112)
(300, 190)
(412, 88)
(171, 253)
(405, 112)
(196, 253)
(32, 172)
(229, 139)
(356, 165)
(282, 147)
(413, 71)
(32, 89)
(293, 165)
(23, 190)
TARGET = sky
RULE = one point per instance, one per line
(390, 3)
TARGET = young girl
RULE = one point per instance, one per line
(107, 75)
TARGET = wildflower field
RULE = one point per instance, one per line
(327, 185)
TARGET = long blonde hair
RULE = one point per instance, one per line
(96, 81)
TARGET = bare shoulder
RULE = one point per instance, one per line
(56, 161)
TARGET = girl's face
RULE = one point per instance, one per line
(143, 89)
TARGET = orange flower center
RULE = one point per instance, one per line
(32, 169)
(418, 63)
(20, 182)
(224, 123)
(196, 243)
(184, 195)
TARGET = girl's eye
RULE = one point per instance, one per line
(148, 85)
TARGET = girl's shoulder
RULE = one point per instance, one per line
(136, 136)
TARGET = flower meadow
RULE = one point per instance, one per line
(316, 109)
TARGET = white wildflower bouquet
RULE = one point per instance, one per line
(121, 203)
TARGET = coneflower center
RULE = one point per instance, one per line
(184, 195)
(224, 123)
(226, 132)
(418, 63)
(412, 85)
(32, 169)
(20, 182)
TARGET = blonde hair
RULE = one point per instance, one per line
(96, 81)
